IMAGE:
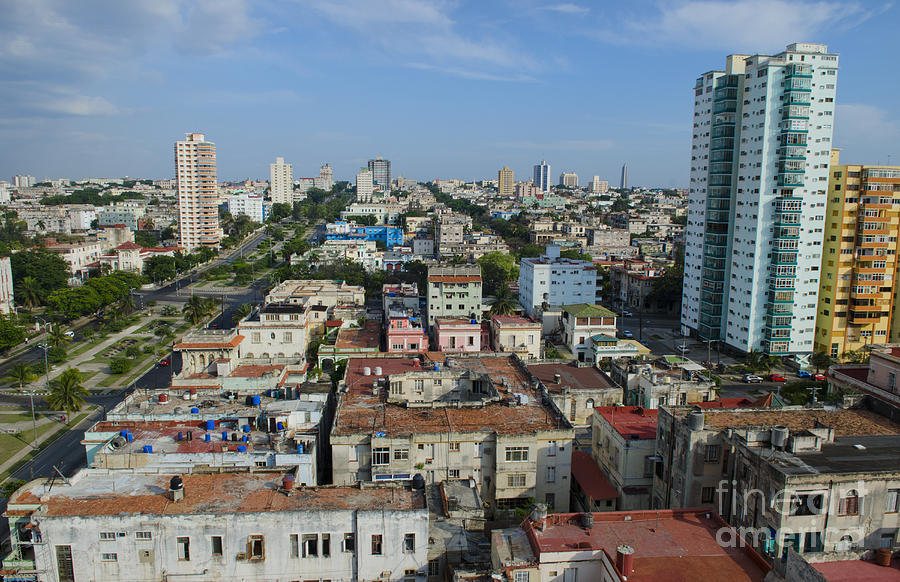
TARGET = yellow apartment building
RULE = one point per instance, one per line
(857, 291)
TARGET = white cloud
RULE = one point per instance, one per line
(80, 105)
(423, 32)
(567, 8)
(865, 134)
(559, 145)
(748, 25)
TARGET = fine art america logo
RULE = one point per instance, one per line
(780, 507)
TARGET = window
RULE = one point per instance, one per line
(143, 535)
(552, 448)
(326, 545)
(551, 474)
(401, 454)
(376, 544)
(183, 545)
(479, 450)
(707, 494)
(515, 480)
(434, 567)
(115, 557)
(295, 545)
(409, 543)
(255, 337)
(64, 567)
(890, 500)
(648, 466)
(849, 504)
(712, 453)
(454, 447)
(381, 456)
(807, 504)
(813, 541)
(349, 542)
(215, 543)
(256, 547)
(550, 501)
(107, 536)
(310, 545)
(453, 473)
(892, 381)
(887, 541)
(520, 576)
(516, 454)
(287, 337)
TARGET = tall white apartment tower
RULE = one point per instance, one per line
(198, 194)
(542, 176)
(381, 173)
(325, 181)
(281, 182)
(365, 185)
(756, 209)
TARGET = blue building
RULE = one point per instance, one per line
(391, 236)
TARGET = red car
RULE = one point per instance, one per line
(777, 378)
(819, 376)
(165, 361)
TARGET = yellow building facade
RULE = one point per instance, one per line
(857, 288)
(506, 184)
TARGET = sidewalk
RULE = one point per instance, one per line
(85, 422)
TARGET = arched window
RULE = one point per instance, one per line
(589, 404)
(849, 503)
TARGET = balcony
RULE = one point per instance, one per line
(725, 106)
(790, 180)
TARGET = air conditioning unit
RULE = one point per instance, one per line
(240, 556)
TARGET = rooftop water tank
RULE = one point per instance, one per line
(780, 436)
(695, 420)
(367, 371)
(378, 370)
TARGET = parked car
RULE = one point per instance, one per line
(627, 314)
(752, 379)
(69, 334)
(777, 378)
(165, 361)
(682, 347)
(627, 334)
(803, 374)
(819, 376)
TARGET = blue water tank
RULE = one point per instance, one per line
(246, 428)
(123, 433)
(437, 367)
(242, 449)
(255, 400)
(269, 393)
(224, 435)
(210, 425)
(299, 448)
(181, 436)
(148, 448)
(280, 426)
(195, 411)
(245, 438)
(207, 437)
(129, 437)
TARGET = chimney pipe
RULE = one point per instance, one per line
(176, 489)
(625, 560)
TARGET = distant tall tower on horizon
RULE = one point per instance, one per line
(623, 183)
(506, 185)
(364, 185)
(325, 181)
(381, 173)
(568, 179)
(198, 193)
(757, 204)
(542, 176)
(281, 182)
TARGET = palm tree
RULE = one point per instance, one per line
(28, 293)
(57, 337)
(242, 311)
(820, 360)
(195, 310)
(67, 392)
(126, 304)
(504, 302)
(20, 374)
(756, 360)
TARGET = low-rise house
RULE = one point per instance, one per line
(516, 334)
(99, 525)
(665, 381)
(81, 258)
(130, 257)
(453, 292)
(275, 333)
(317, 292)
(456, 334)
(581, 322)
(344, 343)
(637, 546)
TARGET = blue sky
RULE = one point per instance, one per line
(443, 89)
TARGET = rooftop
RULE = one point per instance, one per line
(859, 571)
(844, 422)
(572, 377)
(94, 492)
(587, 310)
(632, 422)
(853, 454)
(669, 545)
(366, 338)
(591, 478)
(515, 320)
(363, 410)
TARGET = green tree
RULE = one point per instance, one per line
(57, 337)
(505, 303)
(160, 268)
(496, 269)
(820, 361)
(67, 392)
(145, 238)
(279, 211)
(855, 357)
(47, 268)
(241, 311)
(20, 374)
(120, 365)
(10, 334)
(197, 308)
(27, 293)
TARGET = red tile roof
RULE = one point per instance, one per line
(454, 278)
(128, 246)
(592, 480)
(210, 345)
(632, 422)
(859, 571)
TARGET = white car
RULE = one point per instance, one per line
(627, 334)
(69, 333)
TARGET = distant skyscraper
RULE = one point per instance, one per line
(7, 303)
(505, 182)
(23, 181)
(325, 181)
(568, 179)
(198, 194)
(542, 176)
(598, 186)
(623, 183)
(756, 206)
(364, 185)
(281, 182)
(381, 173)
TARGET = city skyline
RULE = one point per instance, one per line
(90, 93)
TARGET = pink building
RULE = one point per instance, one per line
(457, 334)
(406, 335)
